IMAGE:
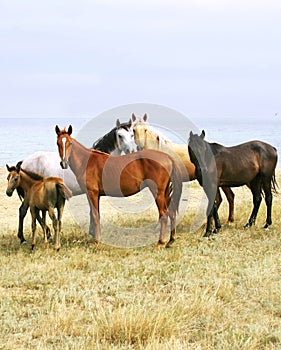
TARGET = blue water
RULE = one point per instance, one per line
(21, 137)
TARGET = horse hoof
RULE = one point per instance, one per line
(160, 244)
(23, 242)
(216, 231)
(266, 226)
(169, 245)
(207, 234)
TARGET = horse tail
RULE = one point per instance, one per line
(274, 184)
(175, 187)
(63, 190)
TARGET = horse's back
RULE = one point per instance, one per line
(48, 164)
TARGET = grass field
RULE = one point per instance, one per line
(221, 293)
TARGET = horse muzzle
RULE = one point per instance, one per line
(9, 192)
(64, 164)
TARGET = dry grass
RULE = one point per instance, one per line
(201, 294)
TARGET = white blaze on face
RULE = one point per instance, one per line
(63, 149)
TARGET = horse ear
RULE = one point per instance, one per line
(202, 134)
(145, 117)
(8, 168)
(18, 166)
(118, 124)
(134, 118)
(191, 134)
(130, 123)
(57, 130)
(69, 131)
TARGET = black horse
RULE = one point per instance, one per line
(252, 163)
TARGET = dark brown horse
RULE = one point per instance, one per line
(100, 174)
(147, 137)
(39, 193)
(252, 163)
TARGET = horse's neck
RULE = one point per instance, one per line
(158, 142)
(26, 181)
(108, 143)
(79, 157)
(115, 152)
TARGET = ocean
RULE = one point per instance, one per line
(21, 137)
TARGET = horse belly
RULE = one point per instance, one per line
(239, 175)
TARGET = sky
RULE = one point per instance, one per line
(68, 58)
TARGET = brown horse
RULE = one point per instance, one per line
(22, 188)
(147, 137)
(39, 193)
(252, 163)
(100, 174)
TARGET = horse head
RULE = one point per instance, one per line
(198, 150)
(64, 143)
(124, 137)
(13, 178)
(140, 130)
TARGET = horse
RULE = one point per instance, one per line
(21, 190)
(252, 163)
(40, 193)
(100, 174)
(117, 141)
(147, 137)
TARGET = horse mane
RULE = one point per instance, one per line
(158, 135)
(106, 143)
(33, 175)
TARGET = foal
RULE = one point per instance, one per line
(40, 193)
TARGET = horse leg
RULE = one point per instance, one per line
(230, 197)
(210, 210)
(266, 184)
(22, 212)
(216, 218)
(210, 190)
(255, 186)
(163, 215)
(172, 216)
(60, 209)
(34, 213)
(52, 216)
(42, 222)
(93, 199)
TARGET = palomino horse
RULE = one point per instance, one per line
(252, 163)
(40, 193)
(117, 141)
(147, 137)
(100, 174)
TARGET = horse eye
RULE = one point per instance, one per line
(120, 136)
